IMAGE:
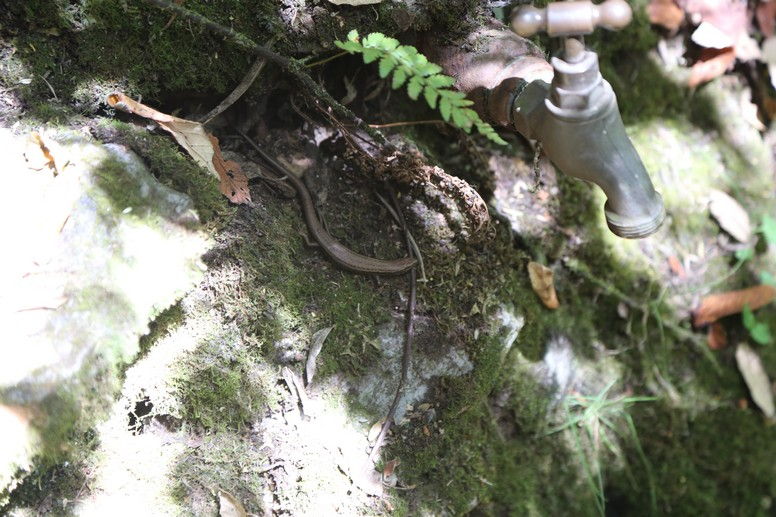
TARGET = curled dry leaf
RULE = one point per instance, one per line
(730, 215)
(666, 14)
(719, 305)
(712, 64)
(201, 146)
(716, 336)
(756, 379)
(229, 505)
(543, 285)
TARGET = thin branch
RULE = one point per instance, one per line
(326, 60)
(408, 123)
(238, 92)
(410, 332)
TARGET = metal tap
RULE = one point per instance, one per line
(576, 118)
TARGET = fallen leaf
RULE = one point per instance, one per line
(718, 305)
(716, 336)
(765, 12)
(234, 182)
(756, 379)
(712, 64)
(201, 146)
(316, 344)
(543, 285)
(390, 467)
(676, 267)
(666, 14)
(389, 473)
(730, 216)
(38, 154)
(229, 506)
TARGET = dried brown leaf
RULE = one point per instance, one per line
(390, 467)
(716, 336)
(719, 305)
(234, 182)
(201, 146)
(712, 64)
(676, 267)
(543, 284)
(39, 155)
(666, 14)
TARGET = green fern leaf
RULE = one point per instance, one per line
(414, 87)
(444, 108)
(387, 63)
(389, 44)
(399, 76)
(460, 120)
(371, 54)
(374, 40)
(431, 96)
(440, 81)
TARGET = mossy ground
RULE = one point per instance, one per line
(277, 293)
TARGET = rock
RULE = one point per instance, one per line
(95, 248)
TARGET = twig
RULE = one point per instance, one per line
(238, 92)
(326, 60)
(292, 66)
(50, 88)
(407, 351)
(413, 243)
(407, 123)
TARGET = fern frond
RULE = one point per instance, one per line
(410, 67)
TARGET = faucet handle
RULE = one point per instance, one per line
(571, 18)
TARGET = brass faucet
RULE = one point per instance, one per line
(576, 118)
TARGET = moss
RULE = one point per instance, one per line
(219, 397)
(164, 323)
(719, 463)
(167, 163)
